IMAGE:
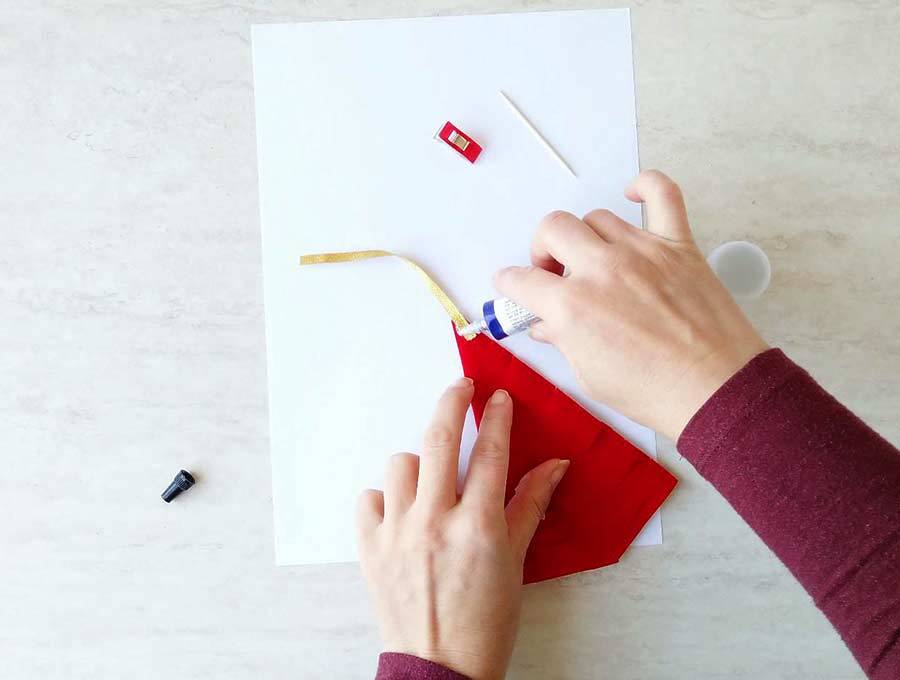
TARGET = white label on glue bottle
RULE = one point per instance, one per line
(503, 317)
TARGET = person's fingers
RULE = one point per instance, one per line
(486, 479)
(538, 332)
(369, 510)
(528, 506)
(400, 481)
(666, 214)
(535, 289)
(562, 240)
(609, 226)
(440, 455)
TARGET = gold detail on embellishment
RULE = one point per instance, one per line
(458, 140)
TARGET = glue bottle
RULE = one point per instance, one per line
(502, 318)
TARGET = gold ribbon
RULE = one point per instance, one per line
(459, 320)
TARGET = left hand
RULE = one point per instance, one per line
(445, 572)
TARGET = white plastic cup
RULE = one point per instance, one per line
(742, 267)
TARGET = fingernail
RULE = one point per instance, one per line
(463, 382)
(559, 471)
(524, 480)
(500, 397)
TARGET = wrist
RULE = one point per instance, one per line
(704, 379)
(402, 666)
(470, 665)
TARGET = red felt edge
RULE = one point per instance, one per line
(582, 530)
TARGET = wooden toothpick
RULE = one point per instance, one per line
(534, 131)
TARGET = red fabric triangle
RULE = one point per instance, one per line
(611, 488)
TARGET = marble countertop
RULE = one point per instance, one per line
(133, 342)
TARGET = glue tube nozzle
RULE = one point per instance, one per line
(473, 328)
(500, 319)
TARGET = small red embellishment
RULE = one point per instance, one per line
(459, 141)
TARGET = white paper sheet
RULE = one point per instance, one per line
(346, 111)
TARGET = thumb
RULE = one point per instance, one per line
(528, 506)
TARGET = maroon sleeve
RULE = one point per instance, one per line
(393, 666)
(819, 487)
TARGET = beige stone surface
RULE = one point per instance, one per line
(133, 343)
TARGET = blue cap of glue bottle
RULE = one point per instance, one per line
(502, 318)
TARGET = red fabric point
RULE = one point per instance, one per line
(611, 488)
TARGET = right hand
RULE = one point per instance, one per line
(640, 316)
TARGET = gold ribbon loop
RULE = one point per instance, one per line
(459, 320)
